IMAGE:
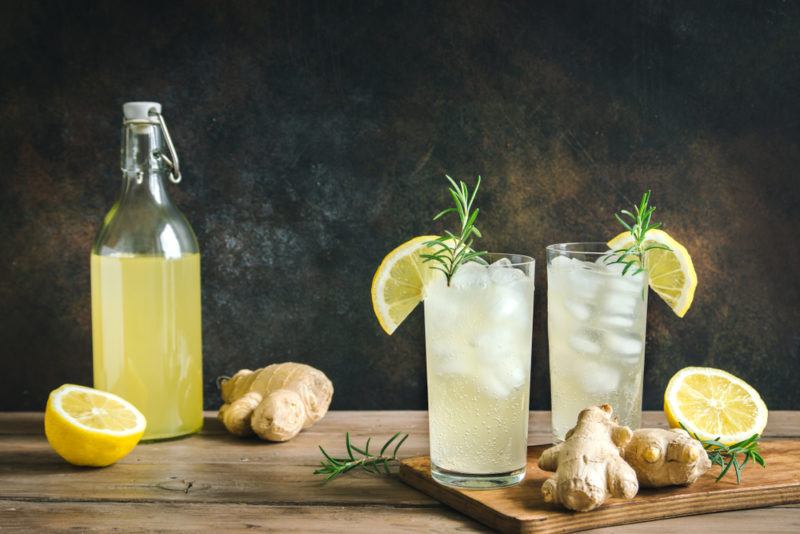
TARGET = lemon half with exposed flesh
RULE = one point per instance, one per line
(87, 426)
(714, 404)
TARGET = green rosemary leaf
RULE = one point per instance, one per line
(443, 213)
(475, 191)
(627, 266)
(438, 259)
(622, 222)
(471, 220)
(452, 182)
(330, 459)
(386, 445)
(459, 207)
(349, 449)
(725, 470)
(399, 444)
(746, 459)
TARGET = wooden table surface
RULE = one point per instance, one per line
(217, 482)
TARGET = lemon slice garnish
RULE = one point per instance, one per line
(671, 272)
(399, 283)
(87, 426)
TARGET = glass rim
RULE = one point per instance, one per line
(526, 260)
(580, 247)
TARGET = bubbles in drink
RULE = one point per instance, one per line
(478, 344)
(596, 326)
(513, 371)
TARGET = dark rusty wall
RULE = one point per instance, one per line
(314, 137)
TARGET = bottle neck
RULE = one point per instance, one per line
(143, 169)
(145, 185)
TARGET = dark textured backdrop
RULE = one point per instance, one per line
(314, 137)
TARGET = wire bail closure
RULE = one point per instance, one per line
(171, 161)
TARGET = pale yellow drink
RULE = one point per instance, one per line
(478, 344)
(146, 336)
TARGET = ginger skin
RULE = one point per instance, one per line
(275, 402)
(666, 457)
(236, 415)
(589, 465)
(280, 417)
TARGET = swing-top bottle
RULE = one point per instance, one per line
(145, 268)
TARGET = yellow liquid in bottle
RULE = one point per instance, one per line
(146, 337)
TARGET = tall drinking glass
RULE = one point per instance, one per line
(478, 342)
(596, 319)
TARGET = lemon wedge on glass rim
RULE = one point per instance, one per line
(87, 426)
(714, 404)
(670, 272)
(399, 283)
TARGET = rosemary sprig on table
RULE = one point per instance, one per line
(727, 456)
(372, 463)
(638, 223)
(452, 250)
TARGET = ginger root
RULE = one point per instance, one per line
(589, 465)
(666, 457)
(275, 402)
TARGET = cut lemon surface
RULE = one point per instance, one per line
(671, 272)
(87, 426)
(399, 283)
(714, 404)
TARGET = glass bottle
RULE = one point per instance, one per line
(145, 268)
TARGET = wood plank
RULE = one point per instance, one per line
(186, 481)
(17, 516)
(27, 517)
(521, 508)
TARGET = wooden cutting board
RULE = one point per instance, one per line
(521, 508)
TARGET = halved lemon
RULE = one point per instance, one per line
(714, 404)
(87, 426)
(671, 272)
(399, 283)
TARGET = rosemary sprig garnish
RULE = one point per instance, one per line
(727, 456)
(452, 250)
(373, 463)
(638, 224)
